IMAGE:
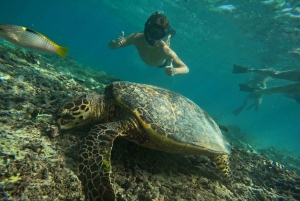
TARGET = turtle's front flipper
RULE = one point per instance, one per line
(94, 162)
(222, 161)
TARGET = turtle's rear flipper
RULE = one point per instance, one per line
(94, 162)
(239, 69)
(222, 161)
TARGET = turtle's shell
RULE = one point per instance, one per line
(170, 119)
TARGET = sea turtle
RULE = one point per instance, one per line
(149, 116)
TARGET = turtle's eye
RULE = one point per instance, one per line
(66, 115)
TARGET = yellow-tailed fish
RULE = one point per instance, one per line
(31, 39)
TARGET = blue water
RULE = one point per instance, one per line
(211, 37)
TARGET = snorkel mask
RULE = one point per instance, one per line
(153, 32)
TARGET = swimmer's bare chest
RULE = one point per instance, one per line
(152, 56)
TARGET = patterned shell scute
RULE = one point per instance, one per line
(170, 114)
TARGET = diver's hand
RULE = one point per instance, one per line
(170, 70)
(120, 40)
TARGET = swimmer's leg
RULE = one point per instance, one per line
(238, 110)
(267, 72)
(292, 75)
(258, 102)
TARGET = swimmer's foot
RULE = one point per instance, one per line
(245, 88)
(237, 111)
(239, 69)
(297, 98)
(250, 107)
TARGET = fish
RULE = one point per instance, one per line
(223, 8)
(28, 38)
(227, 7)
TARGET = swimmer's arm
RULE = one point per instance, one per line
(176, 65)
(180, 67)
(121, 41)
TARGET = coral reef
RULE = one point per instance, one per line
(32, 87)
(40, 163)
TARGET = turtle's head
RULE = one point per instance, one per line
(78, 112)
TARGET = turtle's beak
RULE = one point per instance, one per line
(63, 124)
(59, 124)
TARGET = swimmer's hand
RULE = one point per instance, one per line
(170, 70)
(114, 44)
(120, 39)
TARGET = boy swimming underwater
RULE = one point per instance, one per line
(152, 50)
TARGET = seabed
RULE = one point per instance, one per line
(37, 164)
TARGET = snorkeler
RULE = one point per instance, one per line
(292, 75)
(291, 91)
(152, 49)
(257, 83)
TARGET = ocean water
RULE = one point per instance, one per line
(212, 35)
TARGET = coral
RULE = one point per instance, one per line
(31, 90)
(54, 132)
(31, 179)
